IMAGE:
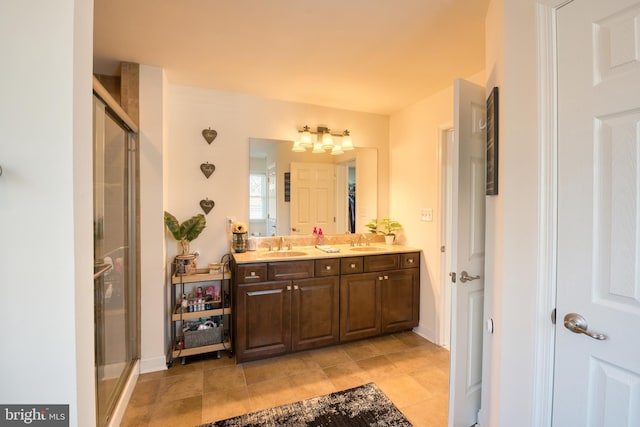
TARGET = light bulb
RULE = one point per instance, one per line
(327, 140)
(337, 149)
(305, 138)
(347, 143)
(297, 147)
(317, 148)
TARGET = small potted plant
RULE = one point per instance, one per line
(386, 226)
(185, 233)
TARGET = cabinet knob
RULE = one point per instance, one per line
(295, 287)
(288, 287)
(352, 265)
(386, 277)
(410, 261)
(328, 267)
(379, 277)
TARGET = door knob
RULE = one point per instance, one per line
(578, 325)
(464, 277)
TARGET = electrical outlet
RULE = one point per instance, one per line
(229, 223)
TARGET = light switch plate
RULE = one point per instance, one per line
(426, 215)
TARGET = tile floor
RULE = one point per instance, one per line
(411, 371)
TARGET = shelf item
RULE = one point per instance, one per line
(197, 287)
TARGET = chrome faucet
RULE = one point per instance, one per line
(366, 239)
(280, 243)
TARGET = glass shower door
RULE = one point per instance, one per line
(114, 258)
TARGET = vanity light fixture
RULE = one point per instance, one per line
(325, 141)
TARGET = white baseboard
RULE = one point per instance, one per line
(127, 391)
(153, 364)
(426, 334)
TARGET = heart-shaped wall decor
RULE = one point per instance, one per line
(207, 205)
(207, 169)
(209, 135)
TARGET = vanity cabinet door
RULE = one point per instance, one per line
(263, 320)
(315, 313)
(400, 300)
(360, 301)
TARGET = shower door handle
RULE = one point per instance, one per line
(101, 270)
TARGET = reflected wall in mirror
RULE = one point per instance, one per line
(338, 193)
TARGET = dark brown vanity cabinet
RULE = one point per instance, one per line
(382, 296)
(285, 306)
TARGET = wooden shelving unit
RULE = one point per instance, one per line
(184, 283)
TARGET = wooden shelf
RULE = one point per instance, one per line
(201, 275)
(176, 315)
(184, 283)
(177, 352)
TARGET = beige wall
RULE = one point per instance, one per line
(415, 184)
(152, 260)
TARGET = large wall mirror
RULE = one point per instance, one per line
(290, 193)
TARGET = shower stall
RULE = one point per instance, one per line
(116, 284)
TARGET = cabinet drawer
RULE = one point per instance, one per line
(327, 267)
(351, 265)
(410, 260)
(251, 273)
(381, 262)
(290, 270)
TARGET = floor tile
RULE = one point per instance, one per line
(225, 404)
(224, 378)
(179, 387)
(178, 413)
(411, 371)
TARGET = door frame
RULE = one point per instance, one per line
(444, 161)
(547, 212)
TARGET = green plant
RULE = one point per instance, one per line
(187, 231)
(385, 226)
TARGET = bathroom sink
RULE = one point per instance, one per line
(366, 249)
(282, 254)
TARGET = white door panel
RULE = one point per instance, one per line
(312, 197)
(597, 382)
(468, 210)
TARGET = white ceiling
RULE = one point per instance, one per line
(373, 56)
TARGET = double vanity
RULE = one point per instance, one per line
(303, 298)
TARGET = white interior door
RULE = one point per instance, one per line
(313, 197)
(467, 257)
(597, 381)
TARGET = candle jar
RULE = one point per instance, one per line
(239, 242)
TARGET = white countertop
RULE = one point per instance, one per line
(310, 252)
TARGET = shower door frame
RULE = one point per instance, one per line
(115, 112)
